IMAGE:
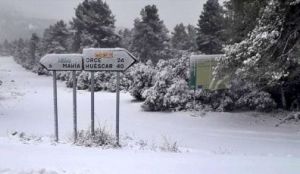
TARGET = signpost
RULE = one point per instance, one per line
(92, 59)
(107, 59)
(74, 105)
(63, 62)
(92, 103)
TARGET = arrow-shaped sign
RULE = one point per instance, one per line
(107, 59)
(62, 62)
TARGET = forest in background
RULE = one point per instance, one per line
(259, 38)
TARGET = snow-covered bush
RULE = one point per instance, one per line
(256, 100)
(265, 58)
(219, 100)
(240, 95)
(64, 75)
(83, 81)
(101, 80)
(168, 146)
(247, 96)
(102, 137)
(178, 95)
(155, 95)
(104, 81)
(142, 79)
(170, 90)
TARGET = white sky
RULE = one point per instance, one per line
(125, 11)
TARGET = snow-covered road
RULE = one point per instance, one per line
(218, 143)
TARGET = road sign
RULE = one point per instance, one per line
(107, 59)
(62, 62)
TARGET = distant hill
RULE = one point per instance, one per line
(14, 25)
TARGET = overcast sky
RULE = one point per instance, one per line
(125, 11)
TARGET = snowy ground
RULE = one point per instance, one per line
(219, 143)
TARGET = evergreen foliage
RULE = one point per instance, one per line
(241, 18)
(94, 25)
(192, 38)
(265, 58)
(170, 90)
(142, 79)
(126, 38)
(262, 62)
(150, 40)
(56, 38)
(34, 51)
(210, 31)
(5, 48)
(180, 38)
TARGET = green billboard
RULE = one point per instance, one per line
(201, 72)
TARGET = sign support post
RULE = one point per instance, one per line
(92, 103)
(55, 106)
(195, 85)
(74, 105)
(108, 59)
(63, 62)
(118, 109)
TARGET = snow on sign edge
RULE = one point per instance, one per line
(62, 62)
(109, 59)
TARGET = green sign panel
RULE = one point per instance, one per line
(201, 72)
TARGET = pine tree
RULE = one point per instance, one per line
(266, 57)
(210, 28)
(20, 51)
(126, 36)
(192, 35)
(180, 37)
(241, 18)
(7, 48)
(34, 50)
(94, 25)
(150, 39)
(1, 49)
(56, 38)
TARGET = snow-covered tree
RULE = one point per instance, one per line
(126, 38)
(178, 95)
(155, 95)
(84, 80)
(170, 90)
(6, 48)
(210, 28)
(241, 17)
(56, 38)
(142, 79)
(34, 51)
(180, 37)
(20, 52)
(192, 35)
(265, 58)
(150, 39)
(1, 49)
(94, 25)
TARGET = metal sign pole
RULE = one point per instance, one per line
(118, 108)
(74, 105)
(55, 106)
(195, 85)
(92, 103)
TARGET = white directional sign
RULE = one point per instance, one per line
(62, 62)
(107, 59)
